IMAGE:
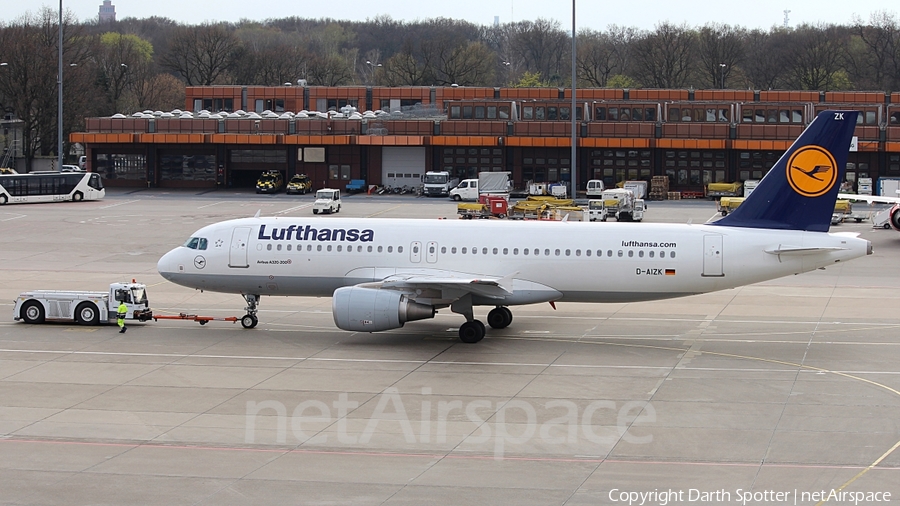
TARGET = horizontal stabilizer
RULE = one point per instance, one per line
(877, 199)
(800, 250)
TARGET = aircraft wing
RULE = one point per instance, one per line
(870, 198)
(448, 283)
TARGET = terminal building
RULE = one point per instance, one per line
(227, 135)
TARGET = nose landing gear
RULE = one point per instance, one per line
(249, 320)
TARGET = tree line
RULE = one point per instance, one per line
(137, 64)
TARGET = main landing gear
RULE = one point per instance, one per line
(249, 320)
(473, 330)
(500, 317)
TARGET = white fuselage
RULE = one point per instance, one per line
(568, 261)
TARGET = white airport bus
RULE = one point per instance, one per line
(50, 187)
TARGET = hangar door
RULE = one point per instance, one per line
(402, 166)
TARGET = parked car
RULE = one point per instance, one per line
(270, 181)
(299, 183)
(71, 168)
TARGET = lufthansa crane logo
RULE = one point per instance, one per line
(812, 171)
(199, 262)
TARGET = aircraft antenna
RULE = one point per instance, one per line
(257, 213)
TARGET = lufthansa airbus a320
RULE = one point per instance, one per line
(383, 273)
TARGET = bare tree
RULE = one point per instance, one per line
(596, 58)
(28, 83)
(118, 60)
(330, 70)
(817, 57)
(202, 55)
(156, 92)
(766, 55)
(877, 62)
(542, 46)
(403, 69)
(622, 40)
(663, 57)
(721, 51)
(269, 58)
(467, 64)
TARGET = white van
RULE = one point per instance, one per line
(595, 188)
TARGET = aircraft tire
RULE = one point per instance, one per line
(499, 318)
(471, 332)
(249, 321)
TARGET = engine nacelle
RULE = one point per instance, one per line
(371, 309)
(895, 216)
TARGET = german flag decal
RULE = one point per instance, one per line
(670, 272)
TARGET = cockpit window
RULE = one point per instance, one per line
(196, 243)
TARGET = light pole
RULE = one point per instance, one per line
(59, 105)
(722, 74)
(372, 68)
(573, 172)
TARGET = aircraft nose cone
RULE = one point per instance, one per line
(168, 266)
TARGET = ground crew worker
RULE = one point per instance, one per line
(121, 313)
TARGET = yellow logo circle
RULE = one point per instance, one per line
(812, 171)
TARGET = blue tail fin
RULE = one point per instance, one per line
(799, 192)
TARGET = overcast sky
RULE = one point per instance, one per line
(590, 14)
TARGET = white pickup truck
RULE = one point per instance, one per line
(82, 307)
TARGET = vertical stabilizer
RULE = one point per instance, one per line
(799, 192)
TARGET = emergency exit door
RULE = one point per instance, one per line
(712, 256)
(237, 256)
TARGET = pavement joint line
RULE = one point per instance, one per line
(213, 204)
(119, 204)
(386, 210)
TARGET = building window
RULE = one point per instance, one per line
(187, 167)
(121, 166)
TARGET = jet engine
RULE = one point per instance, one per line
(372, 309)
(895, 217)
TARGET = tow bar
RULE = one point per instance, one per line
(199, 319)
